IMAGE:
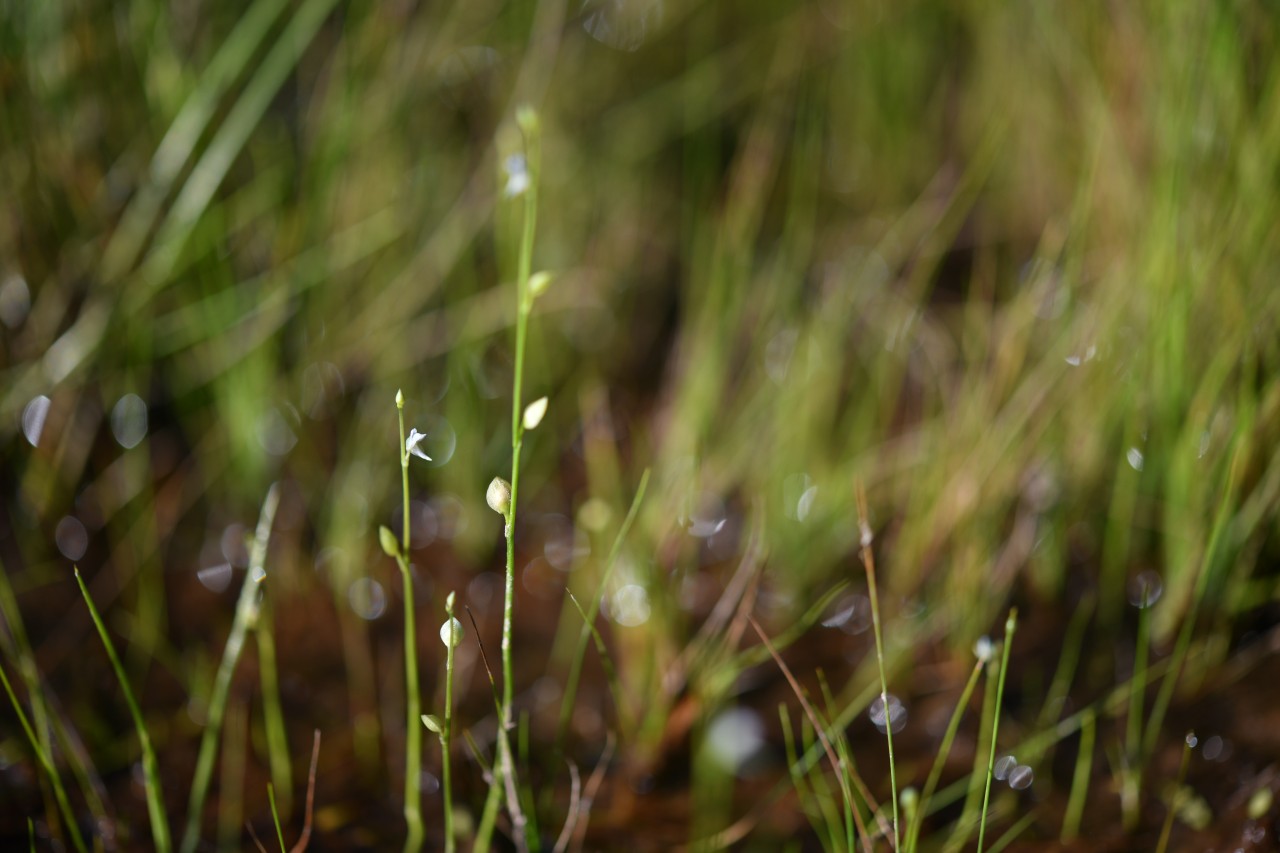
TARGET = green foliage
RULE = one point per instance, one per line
(1009, 265)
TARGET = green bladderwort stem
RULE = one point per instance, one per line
(150, 767)
(245, 619)
(446, 736)
(524, 304)
(1010, 626)
(869, 563)
(413, 709)
(528, 123)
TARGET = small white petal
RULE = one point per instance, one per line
(517, 176)
(411, 444)
(516, 185)
(534, 413)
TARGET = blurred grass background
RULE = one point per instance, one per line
(1012, 266)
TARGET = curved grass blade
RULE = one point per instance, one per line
(150, 767)
(245, 618)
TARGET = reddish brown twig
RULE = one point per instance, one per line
(305, 838)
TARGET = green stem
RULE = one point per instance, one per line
(272, 712)
(1176, 800)
(447, 734)
(46, 726)
(245, 618)
(64, 806)
(1132, 785)
(935, 773)
(869, 563)
(517, 440)
(150, 767)
(275, 816)
(413, 710)
(1010, 626)
(524, 303)
(593, 609)
(1210, 560)
(1080, 779)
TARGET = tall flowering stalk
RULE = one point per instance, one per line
(409, 446)
(522, 181)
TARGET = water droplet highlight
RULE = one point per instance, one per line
(1021, 777)
(275, 433)
(15, 301)
(72, 538)
(621, 24)
(630, 606)
(851, 614)
(1145, 589)
(129, 421)
(734, 738)
(33, 418)
(215, 578)
(367, 598)
(896, 716)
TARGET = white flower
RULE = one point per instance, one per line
(517, 175)
(411, 444)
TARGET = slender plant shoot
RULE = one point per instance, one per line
(869, 563)
(413, 702)
(150, 768)
(451, 636)
(523, 180)
(1010, 626)
(246, 618)
(60, 793)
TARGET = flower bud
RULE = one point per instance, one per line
(498, 496)
(538, 283)
(388, 541)
(527, 120)
(534, 412)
